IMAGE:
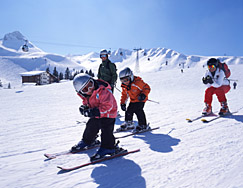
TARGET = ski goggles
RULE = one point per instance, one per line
(88, 86)
(125, 79)
(102, 55)
(211, 66)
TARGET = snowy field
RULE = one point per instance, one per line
(43, 119)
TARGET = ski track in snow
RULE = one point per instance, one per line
(42, 119)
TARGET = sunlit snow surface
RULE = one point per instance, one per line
(43, 119)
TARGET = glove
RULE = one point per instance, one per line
(123, 107)
(91, 112)
(82, 108)
(207, 80)
(210, 80)
(141, 97)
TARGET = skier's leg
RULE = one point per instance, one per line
(221, 91)
(208, 97)
(91, 130)
(107, 136)
(129, 112)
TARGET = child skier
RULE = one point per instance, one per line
(217, 84)
(135, 88)
(100, 105)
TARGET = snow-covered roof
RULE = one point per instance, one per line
(32, 73)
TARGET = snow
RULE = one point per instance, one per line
(31, 73)
(43, 119)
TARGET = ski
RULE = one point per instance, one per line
(138, 132)
(125, 152)
(217, 117)
(199, 117)
(55, 155)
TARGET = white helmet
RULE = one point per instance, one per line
(103, 52)
(126, 73)
(80, 81)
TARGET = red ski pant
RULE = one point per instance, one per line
(220, 93)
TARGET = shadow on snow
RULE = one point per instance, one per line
(159, 142)
(119, 173)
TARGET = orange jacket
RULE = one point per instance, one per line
(134, 89)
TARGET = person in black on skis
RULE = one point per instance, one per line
(234, 84)
(100, 106)
(137, 90)
(217, 84)
(107, 70)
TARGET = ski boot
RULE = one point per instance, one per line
(82, 145)
(140, 128)
(224, 109)
(102, 152)
(127, 125)
(207, 110)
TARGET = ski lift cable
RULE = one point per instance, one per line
(71, 45)
(65, 44)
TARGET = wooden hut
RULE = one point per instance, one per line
(38, 77)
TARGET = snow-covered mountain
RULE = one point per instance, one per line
(14, 61)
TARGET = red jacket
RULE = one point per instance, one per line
(136, 87)
(103, 99)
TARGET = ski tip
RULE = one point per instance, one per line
(204, 120)
(48, 156)
(60, 167)
(189, 120)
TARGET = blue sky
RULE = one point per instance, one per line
(192, 27)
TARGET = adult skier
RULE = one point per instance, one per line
(137, 90)
(100, 106)
(107, 70)
(216, 84)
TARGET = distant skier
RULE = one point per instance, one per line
(217, 84)
(135, 88)
(234, 84)
(100, 105)
(107, 70)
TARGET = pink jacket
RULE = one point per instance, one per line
(103, 99)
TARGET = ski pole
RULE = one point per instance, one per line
(147, 100)
(118, 89)
(233, 80)
(153, 101)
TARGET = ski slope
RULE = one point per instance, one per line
(43, 119)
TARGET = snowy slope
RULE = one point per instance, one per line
(42, 119)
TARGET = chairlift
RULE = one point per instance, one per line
(25, 47)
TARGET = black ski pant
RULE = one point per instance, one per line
(136, 108)
(106, 125)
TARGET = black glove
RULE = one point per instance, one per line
(91, 112)
(82, 108)
(141, 97)
(207, 80)
(123, 107)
